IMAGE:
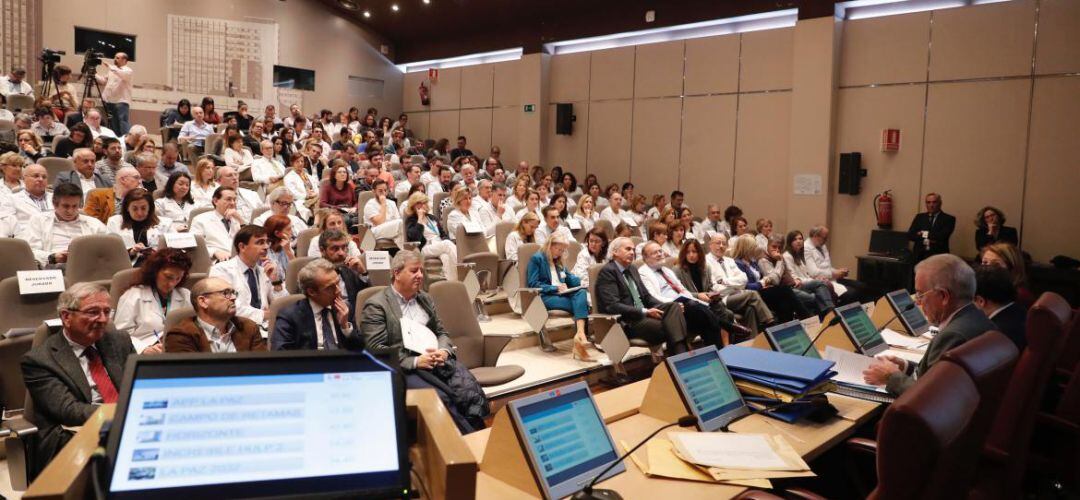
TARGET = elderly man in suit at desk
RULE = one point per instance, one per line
(944, 288)
(403, 310)
(70, 374)
(619, 290)
(322, 319)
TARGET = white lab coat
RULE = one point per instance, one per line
(140, 315)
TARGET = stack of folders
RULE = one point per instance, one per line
(749, 460)
(772, 378)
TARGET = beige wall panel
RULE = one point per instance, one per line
(410, 91)
(761, 157)
(1050, 206)
(569, 77)
(445, 125)
(861, 114)
(446, 93)
(507, 88)
(1058, 50)
(475, 125)
(476, 86)
(707, 166)
(609, 140)
(983, 41)
(654, 166)
(420, 123)
(612, 74)
(712, 65)
(886, 49)
(974, 154)
(661, 72)
(568, 150)
(504, 133)
(766, 59)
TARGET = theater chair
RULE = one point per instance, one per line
(303, 241)
(473, 249)
(531, 309)
(293, 271)
(20, 433)
(55, 166)
(502, 230)
(1005, 452)
(17, 257)
(95, 258)
(24, 311)
(200, 256)
(276, 306)
(478, 352)
(922, 440)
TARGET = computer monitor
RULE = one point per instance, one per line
(791, 338)
(565, 438)
(707, 388)
(910, 315)
(860, 330)
(273, 424)
(886, 242)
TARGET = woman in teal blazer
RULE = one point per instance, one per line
(539, 275)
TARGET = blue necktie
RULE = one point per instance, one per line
(329, 336)
(253, 285)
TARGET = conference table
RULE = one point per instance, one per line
(619, 408)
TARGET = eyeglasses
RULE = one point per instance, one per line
(919, 296)
(228, 293)
(94, 313)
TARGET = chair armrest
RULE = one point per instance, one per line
(757, 495)
(609, 317)
(20, 427)
(527, 290)
(862, 445)
(802, 494)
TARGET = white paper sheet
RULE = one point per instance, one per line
(727, 450)
(416, 337)
(849, 367)
(897, 339)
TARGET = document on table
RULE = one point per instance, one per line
(897, 339)
(849, 367)
(416, 337)
(728, 451)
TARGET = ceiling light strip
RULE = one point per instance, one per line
(466, 60)
(864, 9)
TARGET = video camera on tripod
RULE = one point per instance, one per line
(91, 60)
(50, 57)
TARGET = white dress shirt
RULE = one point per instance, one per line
(313, 248)
(46, 235)
(218, 237)
(457, 219)
(219, 342)
(139, 313)
(587, 223)
(320, 335)
(298, 186)
(543, 232)
(233, 271)
(169, 208)
(513, 242)
(8, 88)
(659, 287)
(203, 197)
(264, 169)
(725, 275)
(117, 84)
(241, 160)
(818, 261)
(584, 261)
(616, 218)
(247, 201)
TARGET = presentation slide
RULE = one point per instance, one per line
(913, 317)
(709, 387)
(215, 430)
(793, 340)
(862, 328)
(567, 436)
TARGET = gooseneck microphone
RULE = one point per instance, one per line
(897, 316)
(588, 493)
(832, 322)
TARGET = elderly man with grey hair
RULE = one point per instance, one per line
(944, 289)
(402, 307)
(74, 371)
(281, 201)
(82, 173)
(319, 321)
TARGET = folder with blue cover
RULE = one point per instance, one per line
(795, 374)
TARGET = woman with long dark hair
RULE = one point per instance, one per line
(141, 310)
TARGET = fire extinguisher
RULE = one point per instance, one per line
(425, 99)
(883, 209)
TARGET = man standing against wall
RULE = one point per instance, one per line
(931, 230)
(117, 93)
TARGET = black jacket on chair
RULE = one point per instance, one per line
(940, 233)
(613, 296)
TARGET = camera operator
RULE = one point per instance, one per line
(117, 92)
(15, 83)
(63, 94)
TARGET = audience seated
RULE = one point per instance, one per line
(524, 232)
(586, 214)
(381, 213)
(662, 283)
(73, 371)
(176, 202)
(593, 252)
(218, 226)
(255, 277)
(319, 321)
(102, 203)
(216, 326)
(619, 290)
(944, 289)
(279, 234)
(464, 212)
(779, 297)
(141, 310)
(692, 269)
(281, 203)
(197, 130)
(12, 164)
(113, 161)
(268, 169)
(819, 266)
(814, 295)
(552, 225)
(138, 225)
(547, 272)
(203, 184)
(1008, 257)
(34, 199)
(402, 305)
(50, 233)
(83, 172)
(729, 283)
(79, 137)
(422, 228)
(334, 246)
(247, 201)
(995, 296)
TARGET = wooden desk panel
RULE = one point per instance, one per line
(67, 475)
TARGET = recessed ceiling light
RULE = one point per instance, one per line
(367, 13)
(394, 7)
(427, 2)
(348, 4)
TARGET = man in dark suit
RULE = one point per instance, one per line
(429, 362)
(83, 170)
(322, 319)
(931, 230)
(70, 374)
(995, 295)
(334, 247)
(619, 290)
(944, 288)
(215, 326)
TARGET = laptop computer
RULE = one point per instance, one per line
(911, 316)
(886, 243)
(706, 387)
(791, 338)
(861, 330)
(319, 424)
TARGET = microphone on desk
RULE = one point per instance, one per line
(901, 313)
(832, 322)
(588, 493)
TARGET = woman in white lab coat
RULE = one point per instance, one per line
(141, 310)
(138, 225)
(176, 202)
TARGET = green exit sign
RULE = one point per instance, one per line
(529, 108)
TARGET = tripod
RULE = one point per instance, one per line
(90, 83)
(48, 83)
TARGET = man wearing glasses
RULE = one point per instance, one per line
(73, 372)
(944, 289)
(215, 326)
(280, 201)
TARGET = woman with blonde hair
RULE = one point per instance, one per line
(463, 212)
(327, 219)
(524, 232)
(30, 145)
(203, 184)
(764, 233)
(421, 227)
(516, 201)
(778, 296)
(1007, 256)
(547, 272)
(586, 213)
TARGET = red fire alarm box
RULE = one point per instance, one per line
(433, 75)
(890, 139)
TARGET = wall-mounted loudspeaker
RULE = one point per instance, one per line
(564, 118)
(851, 173)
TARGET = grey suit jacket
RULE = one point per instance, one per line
(968, 323)
(59, 389)
(72, 177)
(381, 327)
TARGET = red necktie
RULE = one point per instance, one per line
(101, 378)
(678, 289)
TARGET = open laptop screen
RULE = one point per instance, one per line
(910, 314)
(861, 330)
(791, 338)
(707, 388)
